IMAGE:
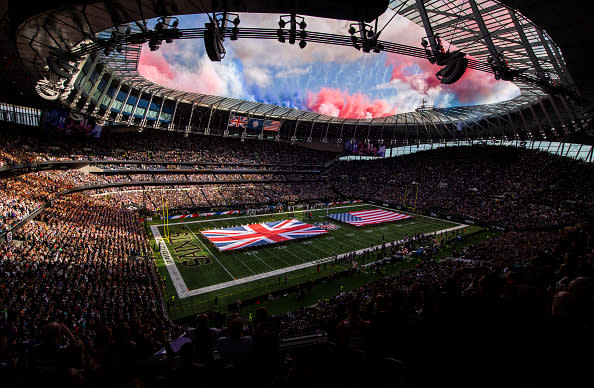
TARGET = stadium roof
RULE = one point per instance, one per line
(527, 47)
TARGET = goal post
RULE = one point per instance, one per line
(165, 219)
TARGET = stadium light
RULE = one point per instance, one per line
(292, 21)
(234, 32)
(367, 39)
(281, 35)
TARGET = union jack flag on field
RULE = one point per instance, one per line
(237, 121)
(260, 234)
(368, 217)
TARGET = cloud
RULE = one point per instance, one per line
(338, 103)
(257, 76)
(177, 67)
(293, 72)
(155, 68)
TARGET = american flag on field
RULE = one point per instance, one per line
(271, 125)
(260, 234)
(368, 217)
(237, 121)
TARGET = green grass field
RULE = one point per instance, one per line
(201, 265)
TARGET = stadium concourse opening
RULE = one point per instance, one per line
(155, 237)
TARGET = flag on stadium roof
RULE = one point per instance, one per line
(237, 121)
(272, 125)
(245, 236)
(255, 124)
(368, 217)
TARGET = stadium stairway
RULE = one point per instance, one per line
(330, 165)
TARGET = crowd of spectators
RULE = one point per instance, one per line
(157, 146)
(228, 196)
(521, 298)
(81, 303)
(516, 187)
(85, 265)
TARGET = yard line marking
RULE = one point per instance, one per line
(213, 256)
(238, 259)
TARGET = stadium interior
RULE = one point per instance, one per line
(146, 232)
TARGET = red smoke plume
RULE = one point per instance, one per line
(338, 103)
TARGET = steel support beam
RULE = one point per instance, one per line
(567, 109)
(131, 118)
(556, 110)
(107, 85)
(542, 132)
(172, 123)
(527, 46)
(189, 126)
(486, 35)
(427, 25)
(546, 114)
(157, 123)
(113, 99)
(148, 107)
(92, 91)
(121, 112)
(84, 81)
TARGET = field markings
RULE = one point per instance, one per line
(213, 256)
(238, 259)
(184, 292)
(235, 282)
(262, 261)
(174, 274)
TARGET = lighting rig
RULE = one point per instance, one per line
(367, 39)
(165, 30)
(500, 67)
(117, 40)
(292, 31)
(454, 63)
(214, 34)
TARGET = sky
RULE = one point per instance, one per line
(332, 80)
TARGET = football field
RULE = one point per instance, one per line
(196, 269)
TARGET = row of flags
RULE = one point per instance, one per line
(193, 215)
(338, 203)
(251, 123)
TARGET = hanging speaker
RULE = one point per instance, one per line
(454, 68)
(213, 42)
